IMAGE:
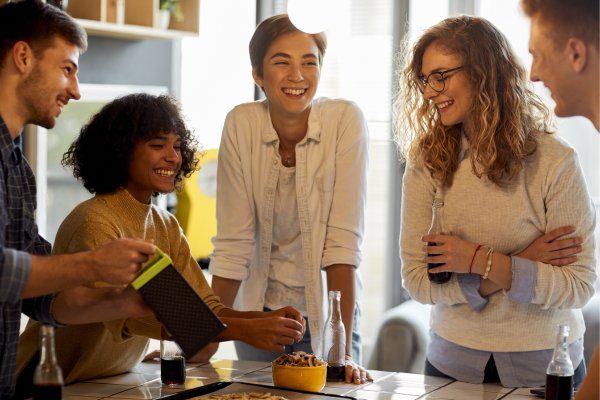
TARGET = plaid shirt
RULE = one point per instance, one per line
(18, 239)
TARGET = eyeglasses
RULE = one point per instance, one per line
(436, 80)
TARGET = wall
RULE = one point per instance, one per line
(131, 62)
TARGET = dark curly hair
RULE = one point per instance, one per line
(101, 153)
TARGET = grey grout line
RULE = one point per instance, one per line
(435, 390)
(507, 394)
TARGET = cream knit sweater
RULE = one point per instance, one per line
(114, 347)
(549, 192)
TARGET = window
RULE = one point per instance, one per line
(358, 67)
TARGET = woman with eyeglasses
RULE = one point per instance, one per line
(477, 137)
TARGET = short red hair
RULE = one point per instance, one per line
(566, 19)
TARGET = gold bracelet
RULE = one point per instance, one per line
(490, 257)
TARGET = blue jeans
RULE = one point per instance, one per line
(491, 374)
(247, 352)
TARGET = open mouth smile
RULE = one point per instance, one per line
(445, 105)
(164, 172)
(294, 93)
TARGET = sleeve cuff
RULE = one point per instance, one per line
(15, 273)
(469, 285)
(228, 270)
(524, 280)
(40, 309)
(341, 257)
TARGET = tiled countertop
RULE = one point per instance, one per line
(144, 383)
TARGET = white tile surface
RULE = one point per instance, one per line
(380, 375)
(521, 397)
(248, 366)
(261, 377)
(190, 383)
(366, 395)
(334, 390)
(93, 389)
(209, 373)
(459, 394)
(147, 367)
(144, 392)
(416, 378)
(495, 387)
(525, 391)
(416, 389)
(126, 379)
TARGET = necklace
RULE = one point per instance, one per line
(288, 161)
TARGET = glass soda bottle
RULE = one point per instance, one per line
(437, 228)
(334, 341)
(47, 378)
(559, 375)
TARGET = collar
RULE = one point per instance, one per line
(9, 147)
(464, 146)
(314, 124)
(122, 203)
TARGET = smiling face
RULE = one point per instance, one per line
(51, 84)
(153, 166)
(551, 66)
(291, 74)
(454, 102)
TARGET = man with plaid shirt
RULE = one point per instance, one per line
(39, 53)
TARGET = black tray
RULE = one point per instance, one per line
(213, 387)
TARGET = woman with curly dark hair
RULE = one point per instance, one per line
(137, 146)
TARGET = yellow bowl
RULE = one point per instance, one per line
(311, 379)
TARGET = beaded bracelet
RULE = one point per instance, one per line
(490, 257)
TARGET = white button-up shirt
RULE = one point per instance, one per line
(331, 185)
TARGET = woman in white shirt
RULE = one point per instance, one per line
(291, 194)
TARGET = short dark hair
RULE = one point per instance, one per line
(38, 24)
(100, 155)
(269, 30)
(567, 19)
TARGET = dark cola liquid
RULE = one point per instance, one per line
(336, 373)
(172, 370)
(47, 392)
(440, 277)
(559, 387)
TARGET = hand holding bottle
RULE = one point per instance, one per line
(451, 250)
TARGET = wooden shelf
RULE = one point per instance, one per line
(141, 19)
(131, 31)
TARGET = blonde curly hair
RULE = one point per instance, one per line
(505, 117)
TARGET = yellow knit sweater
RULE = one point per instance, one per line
(114, 347)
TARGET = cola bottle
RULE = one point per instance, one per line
(47, 378)
(559, 375)
(334, 341)
(437, 228)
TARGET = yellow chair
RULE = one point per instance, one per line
(197, 206)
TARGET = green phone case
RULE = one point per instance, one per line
(187, 318)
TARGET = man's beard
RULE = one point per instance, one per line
(32, 94)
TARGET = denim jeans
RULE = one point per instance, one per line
(491, 373)
(247, 352)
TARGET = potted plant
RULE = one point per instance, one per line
(168, 7)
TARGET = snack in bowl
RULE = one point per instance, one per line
(240, 396)
(299, 371)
